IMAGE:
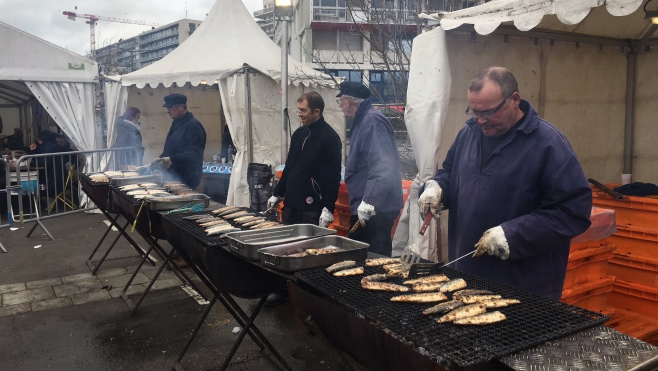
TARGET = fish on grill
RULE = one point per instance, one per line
(340, 266)
(99, 178)
(458, 294)
(206, 220)
(350, 272)
(472, 299)
(429, 297)
(381, 261)
(383, 286)
(244, 219)
(138, 192)
(482, 319)
(146, 185)
(221, 229)
(463, 312)
(225, 209)
(255, 221)
(214, 222)
(453, 285)
(229, 212)
(499, 303)
(236, 215)
(396, 268)
(130, 187)
(196, 217)
(377, 277)
(444, 307)
(266, 225)
(428, 279)
(426, 287)
(328, 250)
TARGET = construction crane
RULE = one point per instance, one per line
(92, 19)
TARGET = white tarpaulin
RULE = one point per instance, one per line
(114, 107)
(428, 96)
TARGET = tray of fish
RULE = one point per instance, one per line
(170, 202)
(247, 243)
(121, 181)
(313, 253)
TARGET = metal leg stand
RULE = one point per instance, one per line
(37, 223)
(177, 366)
(3, 248)
(112, 222)
(315, 329)
(243, 333)
(155, 277)
(124, 296)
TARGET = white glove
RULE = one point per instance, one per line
(493, 242)
(164, 161)
(430, 200)
(272, 201)
(326, 218)
(365, 212)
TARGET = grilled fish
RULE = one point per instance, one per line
(340, 266)
(430, 297)
(219, 229)
(196, 217)
(243, 219)
(327, 250)
(499, 303)
(146, 185)
(229, 212)
(444, 307)
(397, 269)
(453, 285)
(376, 278)
(428, 279)
(236, 215)
(472, 299)
(129, 186)
(349, 272)
(458, 294)
(463, 312)
(206, 220)
(381, 261)
(255, 221)
(383, 286)
(213, 223)
(222, 209)
(222, 231)
(266, 225)
(482, 319)
(425, 287)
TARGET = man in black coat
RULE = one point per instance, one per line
(182, 156)
(310, 181)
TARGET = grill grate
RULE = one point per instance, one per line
(533, 322)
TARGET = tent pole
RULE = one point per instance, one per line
(247, 99)
(284, 90)
(631, 69)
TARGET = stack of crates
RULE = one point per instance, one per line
(634, 263)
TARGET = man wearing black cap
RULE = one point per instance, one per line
(182, 156)
(372, 171)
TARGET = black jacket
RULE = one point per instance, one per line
(184, 145)
(311, 178)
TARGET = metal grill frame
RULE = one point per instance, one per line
(533, 322)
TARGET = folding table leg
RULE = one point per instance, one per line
(94, 267)
(177, 365)
(3, 248)
(124, 296)
(101, 241)
(155, 277)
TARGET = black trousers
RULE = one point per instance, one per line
(377, 232)
(294, 216)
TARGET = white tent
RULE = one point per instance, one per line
(586, 65)
(228, 42)
(62, 81)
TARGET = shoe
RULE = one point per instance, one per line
(181, 263)
(276, 298)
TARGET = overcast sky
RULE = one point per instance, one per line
(44, 19)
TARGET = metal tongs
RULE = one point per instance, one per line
(141, 170)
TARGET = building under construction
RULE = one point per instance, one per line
(137, 52)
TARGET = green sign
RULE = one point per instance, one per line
(79, 67)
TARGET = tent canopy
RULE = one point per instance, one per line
(227, 40)
(28, 58)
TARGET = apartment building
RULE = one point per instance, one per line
(137, 52)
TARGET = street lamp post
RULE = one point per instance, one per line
(283, 13)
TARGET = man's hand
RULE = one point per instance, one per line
(326, 218)
(365, 212)
(33, 146)
(493, 242)
(164, 161)
(430, 200)
(272, 201)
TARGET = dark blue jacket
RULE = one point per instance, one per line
(533, 186)
(185, 144)
(372, 171)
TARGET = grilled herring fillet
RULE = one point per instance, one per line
(383, 286)
(214, 222)
(376, 278)
(266, 225)
(426, 287)
(428, 279)
(453, 285)
(381, 261)
(444, 307)
(196, 217)
(431, 297)
(255, 221)
(458, 294)
(499, 303)
(340, 266)
(327, 250)
(349, 272)
(236, 215)
(224, 209)
(397, 269)
(472, 299)
(482, 319)
(244, 219)
(463, 312)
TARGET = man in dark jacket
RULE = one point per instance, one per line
(129, 135)
(182, 156)
(515, 190)
(372, 172)
(310, 181)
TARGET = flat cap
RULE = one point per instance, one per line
(174, 99)
(354, 89)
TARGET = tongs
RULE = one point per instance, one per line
(264, 213)
(410, 255)
(428, 269)
(141, 170)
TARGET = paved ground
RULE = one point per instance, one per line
(54, 315)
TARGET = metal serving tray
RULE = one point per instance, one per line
(247, 243)
(153, 178)
(176, 202)
(276, 258)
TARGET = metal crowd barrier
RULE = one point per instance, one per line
(51, 182)
(7, 190)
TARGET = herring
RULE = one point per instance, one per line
(428, 297)
(472, 299)
(482, 319)
(444, 307)
(453, 285)
(463, 312)
(340, 266)
(380, 261)
(349, 272)
(428, 279)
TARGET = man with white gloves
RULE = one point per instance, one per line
(310, 181)
(515, 190)
(372, 171)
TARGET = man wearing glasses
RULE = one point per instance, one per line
(515, 190)
(182, 156)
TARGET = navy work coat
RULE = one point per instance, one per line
(184, 145)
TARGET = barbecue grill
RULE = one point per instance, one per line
(530, 323)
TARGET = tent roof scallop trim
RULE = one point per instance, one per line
(527, 14)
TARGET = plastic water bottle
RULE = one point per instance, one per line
(230, 154)
(214, 160)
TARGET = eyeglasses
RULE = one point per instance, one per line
(487, 113)
(339, 99)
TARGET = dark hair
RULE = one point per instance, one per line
(47, 136)
(501, 76)
(131, 113)
(313, 99)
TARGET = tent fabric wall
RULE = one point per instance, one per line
(646, 133)
(116, 102)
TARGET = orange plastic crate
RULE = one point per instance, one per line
(342, 216)
(343, 196)
(588, 264)
(634, 324)
(643, 271)
(634, 211)
(636, 241)
(406, 190)
(587, 245)
(634, 297)
(590, 295)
